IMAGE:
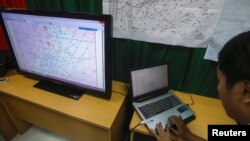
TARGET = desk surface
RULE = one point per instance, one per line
(97, 111)
(207, 111)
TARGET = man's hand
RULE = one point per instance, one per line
(162, 134)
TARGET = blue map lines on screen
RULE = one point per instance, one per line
(87, 28)
(69, 51)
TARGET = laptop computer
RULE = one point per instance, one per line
(152, 98)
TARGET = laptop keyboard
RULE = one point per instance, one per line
(158, 106)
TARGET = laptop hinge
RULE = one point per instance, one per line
(143, 99)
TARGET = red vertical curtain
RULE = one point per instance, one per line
(13, 3)
(9, 4)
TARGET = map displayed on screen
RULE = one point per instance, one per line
(60, 50)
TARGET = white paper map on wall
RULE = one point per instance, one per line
(187, 23)
(234, 19)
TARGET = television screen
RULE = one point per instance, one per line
(67, 52)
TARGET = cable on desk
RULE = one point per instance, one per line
(119, 92)
(140, 123)
(191, 97)
(127, 86)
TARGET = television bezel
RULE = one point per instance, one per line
(74, 15)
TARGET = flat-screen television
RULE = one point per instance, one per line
(69, 53)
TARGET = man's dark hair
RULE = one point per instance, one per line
(234, 59)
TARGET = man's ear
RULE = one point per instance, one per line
(246, 92)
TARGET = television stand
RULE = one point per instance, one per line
(60, 89)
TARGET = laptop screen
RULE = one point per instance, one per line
(148, 80)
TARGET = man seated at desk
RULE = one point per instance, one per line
(233, 72)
